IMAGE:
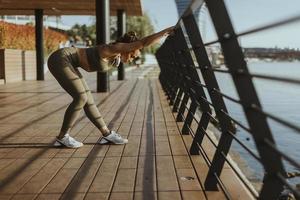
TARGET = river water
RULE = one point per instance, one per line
(278, 98)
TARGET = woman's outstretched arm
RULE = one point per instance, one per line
(113, 49)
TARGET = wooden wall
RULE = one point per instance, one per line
(17, 65)
(29, 66)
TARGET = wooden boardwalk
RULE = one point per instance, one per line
(151, 166)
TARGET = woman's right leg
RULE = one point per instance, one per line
(68, 78)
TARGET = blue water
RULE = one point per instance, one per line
(278, 98)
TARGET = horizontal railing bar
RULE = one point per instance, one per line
(222, 186)
(244, 146)
(286, 183)
(282, 154)
(261, 28)
(277, 119)
(289, 20)
(190, 129)
(211, 42)
(204, 99)
(267, 114)
(221, 70)
(212, 117)
(237, 122)
(199, 83)
(222, 153)
(215, 145)
(195, 82)
(245, 182)
(289, 159)
(204, 154)
(227, 97)
(208, 162)
(201, 98)
(210, 139)
(236, 139)
(189, 113)
(275, 78)
(261, 76)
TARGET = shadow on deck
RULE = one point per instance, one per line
(155, 164)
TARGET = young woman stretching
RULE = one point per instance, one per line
(64, 64)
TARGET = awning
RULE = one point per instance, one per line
(66, 7)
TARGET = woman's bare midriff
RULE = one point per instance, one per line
(83, 61)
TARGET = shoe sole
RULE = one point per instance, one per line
(60, 144)
(108, 142)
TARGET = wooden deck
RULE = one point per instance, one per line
(151, 166)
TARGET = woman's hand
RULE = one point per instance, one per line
(168, 31)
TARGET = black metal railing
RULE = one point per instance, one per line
(183, 59)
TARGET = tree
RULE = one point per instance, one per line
(142, 25)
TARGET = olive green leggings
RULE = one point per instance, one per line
(63, 64)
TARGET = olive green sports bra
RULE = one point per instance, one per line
(98, 64)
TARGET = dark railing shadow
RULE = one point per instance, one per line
(29, 107)
(11, 177)
(71, 189)
(34, 105)
(148, 174)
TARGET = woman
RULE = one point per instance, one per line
(64, 64)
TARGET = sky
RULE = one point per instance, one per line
(245, 15)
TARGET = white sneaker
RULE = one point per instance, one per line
(114, 138)
(68, 141)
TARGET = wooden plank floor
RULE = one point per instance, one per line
(151, 166)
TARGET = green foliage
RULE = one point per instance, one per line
(82, 32)
(142, 25)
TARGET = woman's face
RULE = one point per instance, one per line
(130, 56)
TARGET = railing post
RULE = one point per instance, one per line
(183, 95)
(217, 101)
(167, 75)
(234, 59)
(194, 90)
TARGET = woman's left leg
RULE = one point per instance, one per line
(92, 111)
(96, 118)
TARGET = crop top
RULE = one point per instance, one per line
(98, 64)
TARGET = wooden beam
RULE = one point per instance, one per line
(67, 7)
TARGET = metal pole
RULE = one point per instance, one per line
(39, 44)
(102, 37)
(121, 30)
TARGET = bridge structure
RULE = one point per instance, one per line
(189, 80)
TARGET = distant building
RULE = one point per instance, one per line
(49, 21)
(200, 15)
(182, 5)
(272, 53)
